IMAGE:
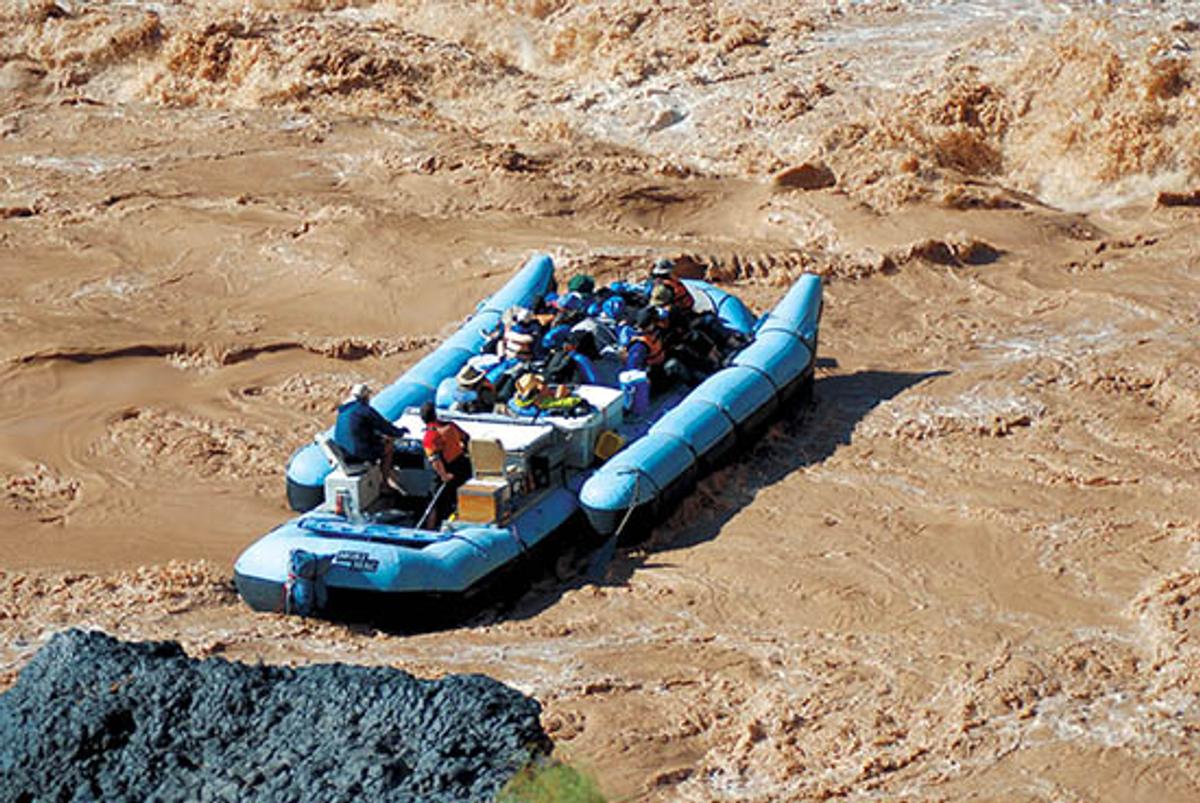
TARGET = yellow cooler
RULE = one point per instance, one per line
(483, 501)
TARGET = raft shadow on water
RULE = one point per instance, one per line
(797, 438)
(800, 436)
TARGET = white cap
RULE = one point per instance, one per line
(361, 391)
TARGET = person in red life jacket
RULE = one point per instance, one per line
(645, 351)
(663, 275)
(446, 447)
(363, 433)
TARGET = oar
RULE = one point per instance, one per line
(432, 502)
(603, 556)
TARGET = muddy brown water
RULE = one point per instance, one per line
(969, 570)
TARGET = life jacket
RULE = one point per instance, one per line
(517, 344)
(567, 405)
(654, 349)
(530, 389)
(496, 373)
(449, 436)
(682, 299)
(539, 404)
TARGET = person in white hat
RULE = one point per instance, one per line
(363, 433)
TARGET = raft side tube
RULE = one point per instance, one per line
(306, 477)
(445, 393)
(799, 312)
(635, 476)
(399, 396)
(636, 524)
(385, 559)
(449, 564)
(741, 393)
(471, 336)
(448, 360)
(729, 308)
(704, 426)
(533, 281)
(302, 498)
(780, 355)
(455, 564)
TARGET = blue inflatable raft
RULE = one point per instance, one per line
(356, 544)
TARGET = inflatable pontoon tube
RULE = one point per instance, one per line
(742, 393)
(729, 308)
(799, 312)
(782, 356)
(636, 476)
(703, 426)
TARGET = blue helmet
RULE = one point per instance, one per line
(613, 307)
(570, 301)
(593, 309)
(619, 287)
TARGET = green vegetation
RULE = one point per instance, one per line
(552, 782)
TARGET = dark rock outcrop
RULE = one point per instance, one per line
(94, 718)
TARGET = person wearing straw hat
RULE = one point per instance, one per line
(473, 393)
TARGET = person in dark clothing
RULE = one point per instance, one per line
(363, 433)
(569, 364)
(446, 447)
(646, 352)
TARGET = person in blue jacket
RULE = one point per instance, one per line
(363, 433)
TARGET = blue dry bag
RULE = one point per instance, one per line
(305, 584)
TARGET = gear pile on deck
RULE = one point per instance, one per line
(603, 401)
(620, 335)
